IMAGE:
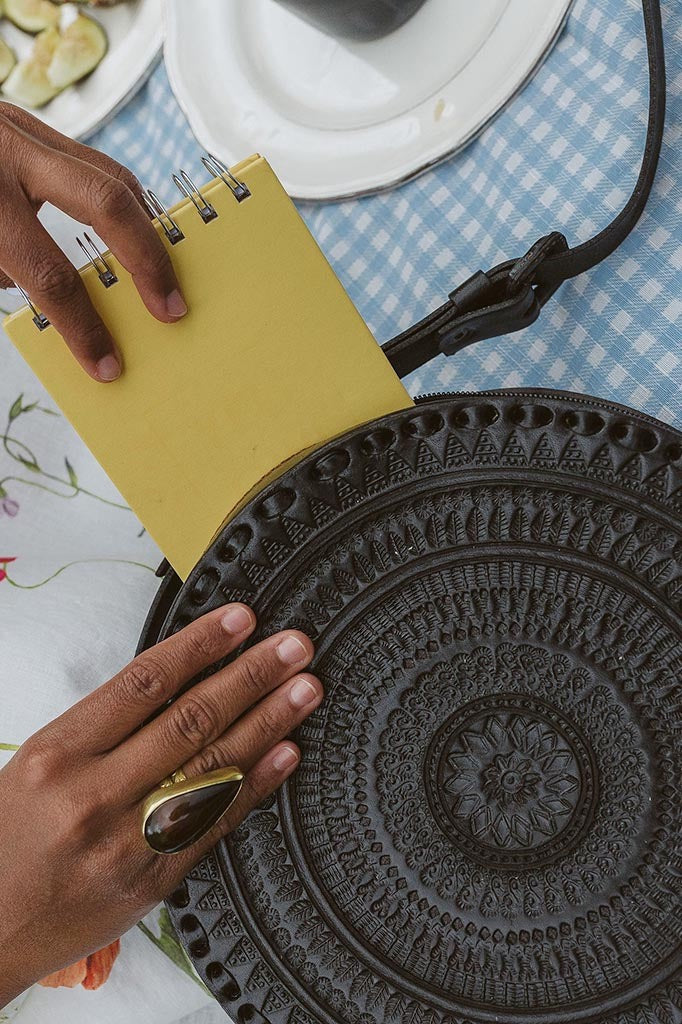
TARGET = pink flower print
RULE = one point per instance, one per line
(3, 563)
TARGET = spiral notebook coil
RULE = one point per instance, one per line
(157, 210)
(217, 168)
(187, 187)
(39, 319)
(97, 259)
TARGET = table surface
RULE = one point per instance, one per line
(564, 155)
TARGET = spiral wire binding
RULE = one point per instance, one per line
(97, 259)
(172, 230)
(185, 184)
(158, 210)
(39, 319)
(217, 168)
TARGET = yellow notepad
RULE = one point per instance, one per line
(272, 359)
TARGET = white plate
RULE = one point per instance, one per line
(135, 32)
(339, 118)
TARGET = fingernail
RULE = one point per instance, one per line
(284, 758)
(236, 620)
(291, 650)
(108, 368)
(175, 305)
(302, 693)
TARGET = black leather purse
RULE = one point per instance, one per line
(486, 824)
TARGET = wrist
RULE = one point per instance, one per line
(15, 972)
(8, 992)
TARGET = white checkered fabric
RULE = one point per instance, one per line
(564, 155)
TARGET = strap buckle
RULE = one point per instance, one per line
(500, 301)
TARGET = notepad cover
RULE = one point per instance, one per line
(271, 360)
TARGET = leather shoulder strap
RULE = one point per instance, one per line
(510, 296)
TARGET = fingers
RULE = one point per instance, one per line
(202, 714)
(107, 716)
(95, 190)
(37, 263)
(252, 744)
(96, 197)
(55, 140)
(260, 729)
(264, 778)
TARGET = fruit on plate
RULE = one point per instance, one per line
(32, 15)
(59, 57)
(81, 47)
(91, 3)
(7, 60)
(28, 82)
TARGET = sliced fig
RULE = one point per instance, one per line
(32, 15)
(90, 3)
(44, 46)
(81, 47)
(7, 60)
(28, 83)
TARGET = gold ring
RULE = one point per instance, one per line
(172, 780)
(180, 810)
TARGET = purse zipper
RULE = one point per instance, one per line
(570, 396)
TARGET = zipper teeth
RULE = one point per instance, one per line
(564, 396)
(431, 396)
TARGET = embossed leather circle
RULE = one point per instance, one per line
(486, 824)
(513, 781)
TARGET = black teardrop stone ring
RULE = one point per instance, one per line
(182, 810)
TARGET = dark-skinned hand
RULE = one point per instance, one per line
(39, 165)
(76, 871)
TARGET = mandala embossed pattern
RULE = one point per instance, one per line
(510, 778)
(487, 821)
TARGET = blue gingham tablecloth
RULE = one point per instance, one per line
(563, 156)
(76, 572)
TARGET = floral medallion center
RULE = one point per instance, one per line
(514, 780)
